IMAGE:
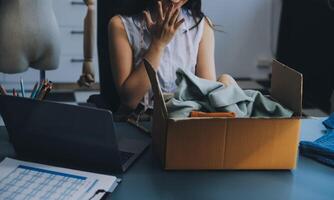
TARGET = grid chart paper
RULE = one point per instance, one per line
(29, 183)
(21, 180)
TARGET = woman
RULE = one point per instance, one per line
(170, 34)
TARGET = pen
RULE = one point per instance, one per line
(22, 87)
(3, 90)
(34, 90)
(140, 127)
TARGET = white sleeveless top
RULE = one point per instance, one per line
(181, 52)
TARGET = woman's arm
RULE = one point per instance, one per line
(132, 84)
(206, 54)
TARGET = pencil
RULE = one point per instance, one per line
(48, 90)
(34, 90)
(22, 87)
(42, 94)
(36, 95)
(14, 93)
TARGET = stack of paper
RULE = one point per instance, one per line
(30, 181)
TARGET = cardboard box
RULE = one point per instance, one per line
(233, 144)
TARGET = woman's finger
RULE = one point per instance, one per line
(161, 12)
(169, 14)
(178, 24)
(148, 19)
(174, 17)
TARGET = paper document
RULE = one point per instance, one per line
(30, 181)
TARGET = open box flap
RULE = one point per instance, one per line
(287, 87)
(158, 97)
(160, 115)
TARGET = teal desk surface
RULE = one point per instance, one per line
(147, 180)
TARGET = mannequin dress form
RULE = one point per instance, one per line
(29, 36)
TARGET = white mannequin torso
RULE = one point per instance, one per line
(29, 36)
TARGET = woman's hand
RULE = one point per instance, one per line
(166, 25)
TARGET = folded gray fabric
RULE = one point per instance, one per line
(196, 94)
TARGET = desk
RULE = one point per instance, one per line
(146, 180)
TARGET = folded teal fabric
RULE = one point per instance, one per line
(196, 94)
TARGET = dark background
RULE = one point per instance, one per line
(306, 43)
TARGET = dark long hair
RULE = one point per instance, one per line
(194, 7)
